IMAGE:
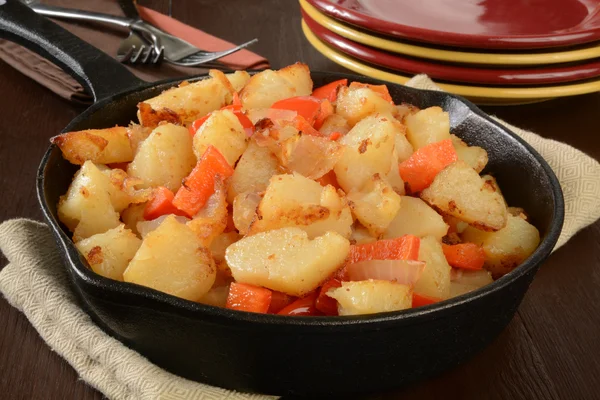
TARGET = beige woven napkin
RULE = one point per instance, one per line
(35, 282)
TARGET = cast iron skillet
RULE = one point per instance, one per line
(274, 354)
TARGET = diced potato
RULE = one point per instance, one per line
(217, 296)
(267, 87)
(415, 217)
(121, 188)
(361, 235)
(252, 173)
(467, 281)
(404, 109)
(427, 126)
(393, 177)
(224, 131)
(334, 123)
(190, 101)
(403, 147)
(245, 206)
(356, 103)
(517, 212)
(475, 156)
(221, 243)
(132, 215)
(286, 260)
(491, 182)
(165, 158)
(101, 146)
(211, 220)
(109, 253)
(435, 280)
(310, 156)
(375, 206)
(86, 209)
(455, 225)
(136, 135)
(370, 297)
(295, 201)
(171, 259)
(368, 151)
(506, 248)
(459, 191)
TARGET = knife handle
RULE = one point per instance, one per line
(81, 15)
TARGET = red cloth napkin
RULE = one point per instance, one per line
(107, 40)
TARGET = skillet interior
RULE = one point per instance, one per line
(266, 353)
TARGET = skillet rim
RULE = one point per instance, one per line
(218, 314)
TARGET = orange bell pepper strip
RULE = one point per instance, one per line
(302, 306)
(381, 90)
(327, 305)
(305, 127)
(200, 183)
(193, 128)
(161, 204)
(306, 106)
(245, 297)
(279, 301)
(330, 90)
(464, 255)
(420, 300)
(421, 168)
(403, 248)
(325, 111)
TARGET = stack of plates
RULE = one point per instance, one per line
(492, 51)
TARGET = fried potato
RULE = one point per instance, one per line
(368, 151)
(475, 156)
(165, 158)
(292, 200)
(375, 205)
(132, 215)
(464, 281)
(310, 156)
(211, 220)
(334, 123)
(370, 297)
(403, 147)
(245, 206)
(459, 191)
(224, 131)
(286, 260)
(415, 217)
(171, 259)
(393, 177)
(253, 171)
(109, 253)
(356, 103)
(190, 101)
(86, 209)
(427, 126)
(268, 86)
(101, 146)
(506, 248)
(435, 280)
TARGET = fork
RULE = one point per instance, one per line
(134, 50)
(175, 50)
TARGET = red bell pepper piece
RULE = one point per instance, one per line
(330, 90)
(279, 301)
(245, 297)
(419, 300)
(328, 305)
(403, 248)
(464, 255)
(161, 204)
(302, 306)
(421, 168)
(306, 106)
(325, 111)
(382, 90)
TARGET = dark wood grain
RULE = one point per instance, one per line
(548, 351)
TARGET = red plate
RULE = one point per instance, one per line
(498, 24)
(447, 72)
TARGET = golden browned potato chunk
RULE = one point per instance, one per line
(427, 126)
(375, 206)
(293, 200)
(403, 147)
(224, 131)
(435, 280)
(132, 215)
(415, 217)
(109, 253)
(86, 209)
(211, 220)
(370, 297)
(286, 259)
(475, 156)
(267, 87)
(310, 156)
(171, 259)
(190, 101)
(334, 123)
(101, 146)
(252, 173)
(165, 158)
(459, 191)
(355, 103)
(369, 147)
(467, 281)
(506, 248)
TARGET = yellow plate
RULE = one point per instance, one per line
(478, 94)
(584, 53)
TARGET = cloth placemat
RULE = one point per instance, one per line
(107, 39)
(35, 282)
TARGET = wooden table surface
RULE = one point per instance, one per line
(549, 350)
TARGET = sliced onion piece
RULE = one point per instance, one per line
(145, 227)
(274, 115)
(311, 156)
(406, 272)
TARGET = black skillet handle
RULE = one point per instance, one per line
(98, 73)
